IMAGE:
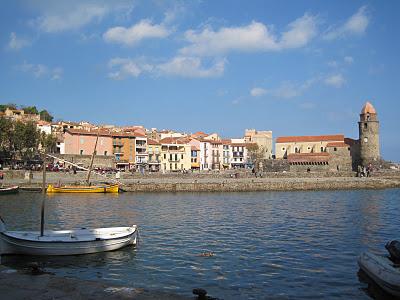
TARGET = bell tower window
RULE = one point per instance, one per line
(365, 125)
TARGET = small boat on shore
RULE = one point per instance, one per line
(382, 270)
(113, 188)
(9, 190)
(66, 242)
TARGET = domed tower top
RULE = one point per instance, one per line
(368, 113)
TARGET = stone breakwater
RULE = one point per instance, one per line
(222, 182)
(252, 185)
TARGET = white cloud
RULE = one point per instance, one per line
(134, 34)
(355, 25)
(123, 67)
(41, 71)
(335, 80)
(180, 66)
(57, 16)
(17, 43)
(250, 38)
(300, 33)
(257, 92)
(348, 60)
(191, 67)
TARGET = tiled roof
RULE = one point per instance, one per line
(337, 144)
(310, 138)
(199, 134)
(152, 142)
(308, 157)
(85, 132)
(194, 148)
(173, 140)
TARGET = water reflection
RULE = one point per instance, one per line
(277, 245)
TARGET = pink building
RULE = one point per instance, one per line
(82, 142)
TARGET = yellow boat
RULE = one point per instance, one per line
(113, 188)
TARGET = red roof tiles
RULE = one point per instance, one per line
(315, 138)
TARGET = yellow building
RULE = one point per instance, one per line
(175, 154)
(287, 145)
(154, 151)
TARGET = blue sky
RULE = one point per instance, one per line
(293, 67)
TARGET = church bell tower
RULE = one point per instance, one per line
(369, 135)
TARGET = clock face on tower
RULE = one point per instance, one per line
(365, 140)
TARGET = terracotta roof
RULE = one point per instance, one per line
(85, 132)
(310, 138)
(226, 142)
(199, 134)
(173, 140)
(308, 157)
(337, 144)
(41, 123)
(194, 148)
(368, 109)
(152, 142)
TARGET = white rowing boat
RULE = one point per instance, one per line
(382, 270)
(66, 242)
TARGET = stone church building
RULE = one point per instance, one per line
(333, 152)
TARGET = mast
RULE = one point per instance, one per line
(91, 161)
(44, 195)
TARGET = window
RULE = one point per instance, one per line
(283, 148)
(182, 156)
(334, 149)
(165, 156)
(322, 149)
(365, 125)
(81, 152)
(105, 152)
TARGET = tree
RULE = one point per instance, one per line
(255, 154)
(45, 116)
(48, 142)
(3, 107)
(30, 110)
(6, 131)
(26, 139)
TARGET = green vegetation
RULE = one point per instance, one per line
(44, 114)
(23, 141)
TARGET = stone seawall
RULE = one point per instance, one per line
(299, 184)
(219, 182)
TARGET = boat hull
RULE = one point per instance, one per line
(9, 190)
(382, 271)
(50, 244)
(84, 189)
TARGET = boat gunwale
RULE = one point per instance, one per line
(70, 241)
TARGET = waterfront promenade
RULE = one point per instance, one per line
(231, 181)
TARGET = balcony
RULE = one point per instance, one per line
(154, 162)
(117, 143)
(142, 154)
(141, 146)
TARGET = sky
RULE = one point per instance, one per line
(293, 67)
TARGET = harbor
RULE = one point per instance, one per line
(234, 245)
